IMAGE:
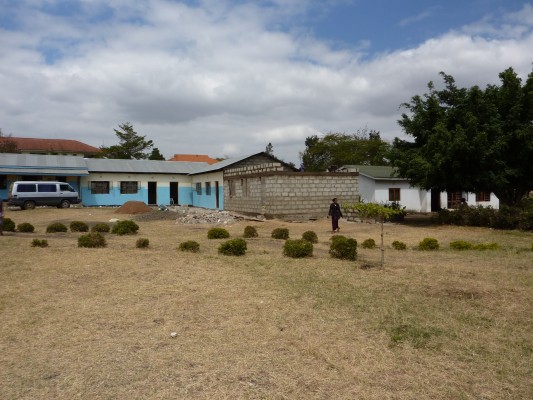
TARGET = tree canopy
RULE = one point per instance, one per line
(336, 149)
(7, 145)
(471, 140)
(131, 145)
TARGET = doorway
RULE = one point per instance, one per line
(174, 192)
(152, 192)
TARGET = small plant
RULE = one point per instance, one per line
(79, 226)
(56, 227)
(142, 243)
(25, 227)
(486, 246)
(101, 227)
(343, 248)
(9, 225)
(250, 232)
(280, 233)
(461, 245)
(126, 227)
(298, 248)
(310, 236)
(368, 244)
(233, 247)
(397, 245)
(190, 245)
(217, 233)
(93, 239)
(39, 243)
(428, 244)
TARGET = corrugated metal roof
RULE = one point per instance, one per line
(33, 164)
(230, 161)
(373, 171)
(143, 166)
(53, 145)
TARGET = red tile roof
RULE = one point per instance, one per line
(193, 158)
(52, 145)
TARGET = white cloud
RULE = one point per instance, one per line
(220, 79)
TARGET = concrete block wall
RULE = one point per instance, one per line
(255, 165)
(294, 195)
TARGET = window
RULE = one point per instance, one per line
(482, 196)
(3, 182)
(231, 188)
(198, 188)
(47, 187)
(454, 199)
(65, 187)
(26, 187)
(208, 188)
(394, 194)
(129, 187)
(100, 187)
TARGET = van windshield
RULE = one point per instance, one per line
(66, 188)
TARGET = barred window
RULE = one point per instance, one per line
(483, 196)
(208, 188)
(198, 188)
(100, 187)
(394, 194)
(129, 187)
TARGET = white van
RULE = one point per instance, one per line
(27, 194)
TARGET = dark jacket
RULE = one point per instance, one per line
(335, 210)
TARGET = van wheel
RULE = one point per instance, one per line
(28, 205)
(65, 204)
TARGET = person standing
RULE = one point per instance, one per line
(335, 213)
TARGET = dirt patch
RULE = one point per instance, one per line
(133, 207)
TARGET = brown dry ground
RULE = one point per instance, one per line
(97, 323)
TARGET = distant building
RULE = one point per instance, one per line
(63, 147)
(194, 158)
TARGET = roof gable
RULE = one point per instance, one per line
(52, 145)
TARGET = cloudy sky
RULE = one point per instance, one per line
(226, 77)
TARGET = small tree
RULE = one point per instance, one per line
(378, 211)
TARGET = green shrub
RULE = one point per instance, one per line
(101, 227)
(399, 245)
(93, 239)
(280, 233)
(250, 232)
(79, 226)
(343, 248)
(9, 225)
(298, 248)
(126, 227)
(428, 244)
(310, 236)
(368, 244)
(217, 233)
(39, 243)
(233, 247)
(142, 243)
(56, 227)
(486, 246)
(190, 245)
(25, 227)
(461, 245)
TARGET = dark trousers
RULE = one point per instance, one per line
(334, 223)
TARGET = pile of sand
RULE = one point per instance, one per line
(133, 207)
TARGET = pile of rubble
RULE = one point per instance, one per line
(193, 215)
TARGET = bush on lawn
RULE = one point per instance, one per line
(233, 247)
(428, 244)
(79, 226)
(56, 227)
(217, 233)
(310, 236)
(142, 243)
(101, 227)
(343, 248)
(39, 243)
(397, 245)
(280, 233)
(190, 245)
(126, 227)
(368, 244)
(250, 232)
(25, 227)
(9, 225)
(298, 248)
(93, 239)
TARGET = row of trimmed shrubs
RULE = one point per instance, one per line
(126, 227)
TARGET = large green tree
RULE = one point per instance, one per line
(336, 149)
(470, 139)
(132, 146)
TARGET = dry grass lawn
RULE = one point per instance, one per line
(97, 323)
